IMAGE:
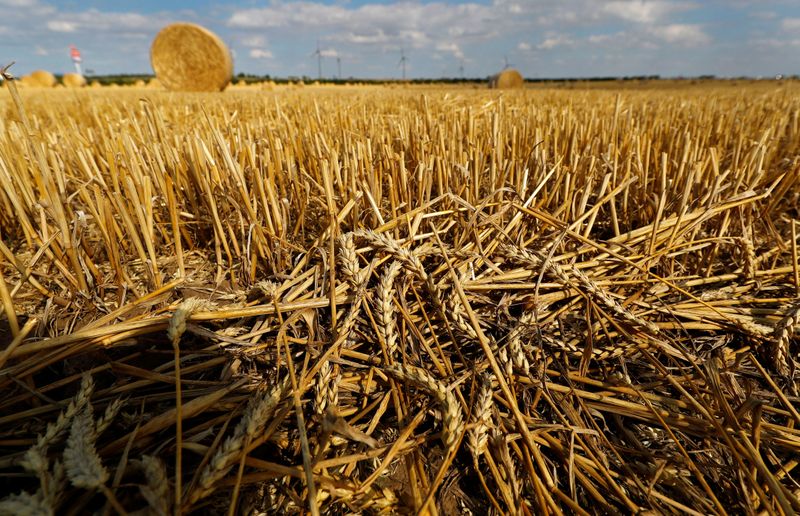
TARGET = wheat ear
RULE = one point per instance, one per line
(255, 417)
(81, 461)
(536, 259)
(452, 420)
(478, 437)
(348, 259)
(384, 308)
(156, 490)
(326, 388)
(412, 262)
(781, 338)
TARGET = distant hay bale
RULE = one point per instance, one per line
(154, 84)
(139, 83)
(41, 79)
(95, 84)
(507, 79)
(187, 57)
(73, 80)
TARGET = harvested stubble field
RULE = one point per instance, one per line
(423, 300)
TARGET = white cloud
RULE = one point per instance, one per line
(452, 48)
(254, 41)
(775, 43)
(554, 41)
(415, 22)
(523, 46)
(18, 3)
(41, 51)
(791, 24)
(686, 35)
(372, 38)
(260, 53)
(595, 39)
(61, 26)
(329, 52)
(644, 11)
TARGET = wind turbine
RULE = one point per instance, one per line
(403, 60)
(507, 64)
(339, 66)
(318, 53)
(461, 69)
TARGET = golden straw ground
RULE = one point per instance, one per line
(425, 299)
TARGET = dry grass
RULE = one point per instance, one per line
(394, 300)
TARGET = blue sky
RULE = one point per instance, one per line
(542, 38)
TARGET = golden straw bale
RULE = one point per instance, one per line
(507, 79)
(187, 57)
(41, 79)
(73, 80)
(95, 84)
(139, 83)
(154, 84)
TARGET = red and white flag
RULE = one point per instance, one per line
(75, 54)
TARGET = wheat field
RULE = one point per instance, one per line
(380, 300)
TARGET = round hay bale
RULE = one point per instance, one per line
(187, 57)
(507, 79)
(95, 84)
(139, 83)
(73, 80)
(41, 79)
(153, 84)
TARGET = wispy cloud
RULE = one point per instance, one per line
(685, 35)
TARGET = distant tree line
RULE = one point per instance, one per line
(127, 79)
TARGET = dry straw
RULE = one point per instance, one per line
(187, 57)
